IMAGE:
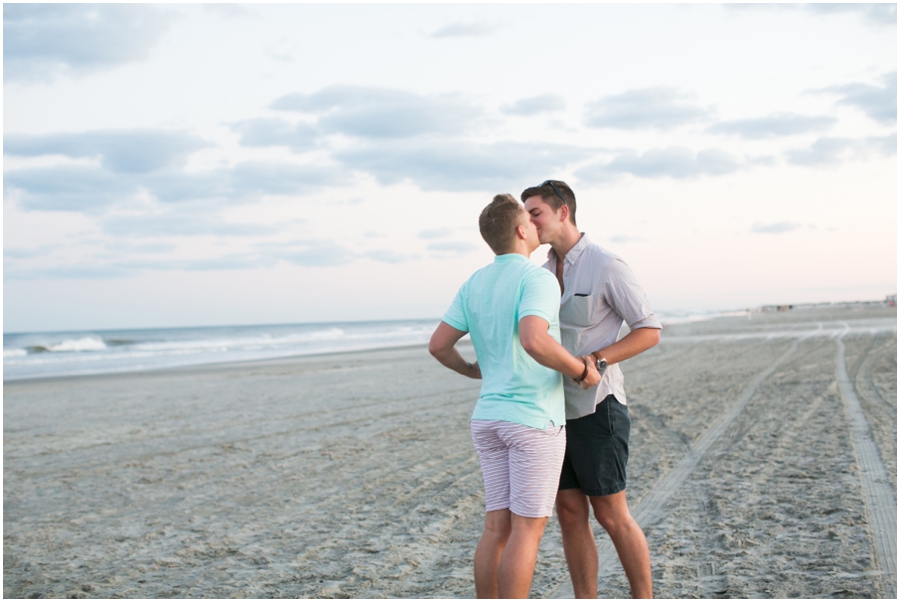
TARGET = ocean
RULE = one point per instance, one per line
(72, 353)
(48, 354)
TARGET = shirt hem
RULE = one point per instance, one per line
(541, 424)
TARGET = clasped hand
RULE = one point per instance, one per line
(593, 376)
(591, 380)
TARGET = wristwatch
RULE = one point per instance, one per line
(602, 366)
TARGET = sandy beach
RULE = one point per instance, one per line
(758, 469)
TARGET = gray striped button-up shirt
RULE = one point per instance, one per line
(600, 292)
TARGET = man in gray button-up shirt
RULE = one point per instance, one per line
(599, 293)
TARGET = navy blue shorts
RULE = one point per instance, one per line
(597, 450)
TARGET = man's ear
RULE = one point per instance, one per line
(564, 208)
(520, 232)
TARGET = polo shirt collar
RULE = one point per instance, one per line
(507, 257)
(574, 252)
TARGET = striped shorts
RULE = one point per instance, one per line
(520, 465)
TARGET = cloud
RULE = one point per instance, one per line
(672, 162)
(465, 30)
(128, 151)
(93, 189)
(229, 11)
(765, 160)
(42, 251)
(386, 256)
(69, 272)
(310, 253)
(878, 14)
(232, 261)
(277, 132)
(42, 41)
(457, 247)
(382, 113)
(649, 108)
(457, 165)
(877, 102)
(100, 268)
(243, 182)
(194, 221)
(777, 124)
(623, 238)
(536, 104)
(829, 151)
(436, 233)
(120, 246)
(282, 51)
(254, 178)
(875, 14)
(67, 188)
(448, 249)
(774, 228)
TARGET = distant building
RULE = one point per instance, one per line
(767, 308)
(891, 300)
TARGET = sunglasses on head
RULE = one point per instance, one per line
(556, 190)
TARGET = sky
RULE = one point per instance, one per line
(191, 165)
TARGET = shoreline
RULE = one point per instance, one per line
(354, 476)
(696, 317)
(225, 364)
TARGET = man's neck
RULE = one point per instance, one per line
(521, 248)
(568, 238)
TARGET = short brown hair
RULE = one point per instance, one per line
(498, 223)
(550, 197)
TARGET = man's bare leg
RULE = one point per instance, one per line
(497, 528)
(574, 512)
(631, 545)
(612, 512)
(517, 564)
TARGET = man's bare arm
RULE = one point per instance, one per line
(537, 342)
(635, 342)
(442, 347)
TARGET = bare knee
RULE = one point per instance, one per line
(527, 531)
(527, 523)
(572, 508)
(612, 514)
(499, 532)
(498, 526)
(610, 524)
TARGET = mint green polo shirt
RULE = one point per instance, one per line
(515, 388)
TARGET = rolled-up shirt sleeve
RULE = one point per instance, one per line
(627, 298)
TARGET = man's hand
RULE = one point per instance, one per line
(442, 347)
(593, 377)
(476, 371)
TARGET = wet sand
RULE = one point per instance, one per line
(752, 472)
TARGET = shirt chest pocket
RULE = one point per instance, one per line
(579, 310)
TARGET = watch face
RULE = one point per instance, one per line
(601, 366)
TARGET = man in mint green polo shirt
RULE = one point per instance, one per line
(511, 310)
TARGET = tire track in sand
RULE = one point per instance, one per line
(652, 507)
(864, 377)
(881, 505)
